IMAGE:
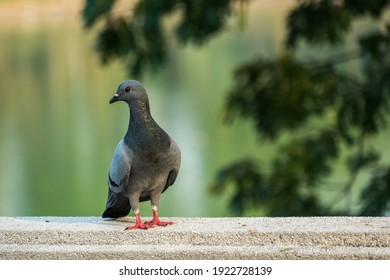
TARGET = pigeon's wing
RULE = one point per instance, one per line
(120, 168)
(118, 204)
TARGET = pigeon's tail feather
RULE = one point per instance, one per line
(117, 205)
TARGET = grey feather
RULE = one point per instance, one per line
(145, 162)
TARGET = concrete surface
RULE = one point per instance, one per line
(196, 238)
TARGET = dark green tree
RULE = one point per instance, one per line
(326, 113)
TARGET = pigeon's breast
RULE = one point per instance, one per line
(152, 163)
(151, 168)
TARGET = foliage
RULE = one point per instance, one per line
(376, 196)
(322, 108)
(140, 38)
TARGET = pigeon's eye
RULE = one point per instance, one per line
(127, 89)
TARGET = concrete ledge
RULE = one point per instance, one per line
(196, 238)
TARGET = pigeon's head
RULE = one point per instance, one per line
(129, 91)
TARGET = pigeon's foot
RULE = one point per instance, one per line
(156, 221)
(139, 224)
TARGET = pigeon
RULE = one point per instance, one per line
(145, 162)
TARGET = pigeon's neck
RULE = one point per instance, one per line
(140, 114)
(143, 131)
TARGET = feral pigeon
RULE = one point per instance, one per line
(145, 162)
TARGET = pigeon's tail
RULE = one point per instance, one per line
(117, 205)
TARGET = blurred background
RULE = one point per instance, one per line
(58, 132)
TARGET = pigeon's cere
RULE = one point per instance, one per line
(145, 162)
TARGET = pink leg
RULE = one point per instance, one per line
(156, 221)
(139, 224)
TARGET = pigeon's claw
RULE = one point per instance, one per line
(139, 224)
(156, 221)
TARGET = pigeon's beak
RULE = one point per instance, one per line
(115, 98)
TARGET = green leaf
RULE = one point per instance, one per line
(376, 196)
(94, 9)
(318, 22)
